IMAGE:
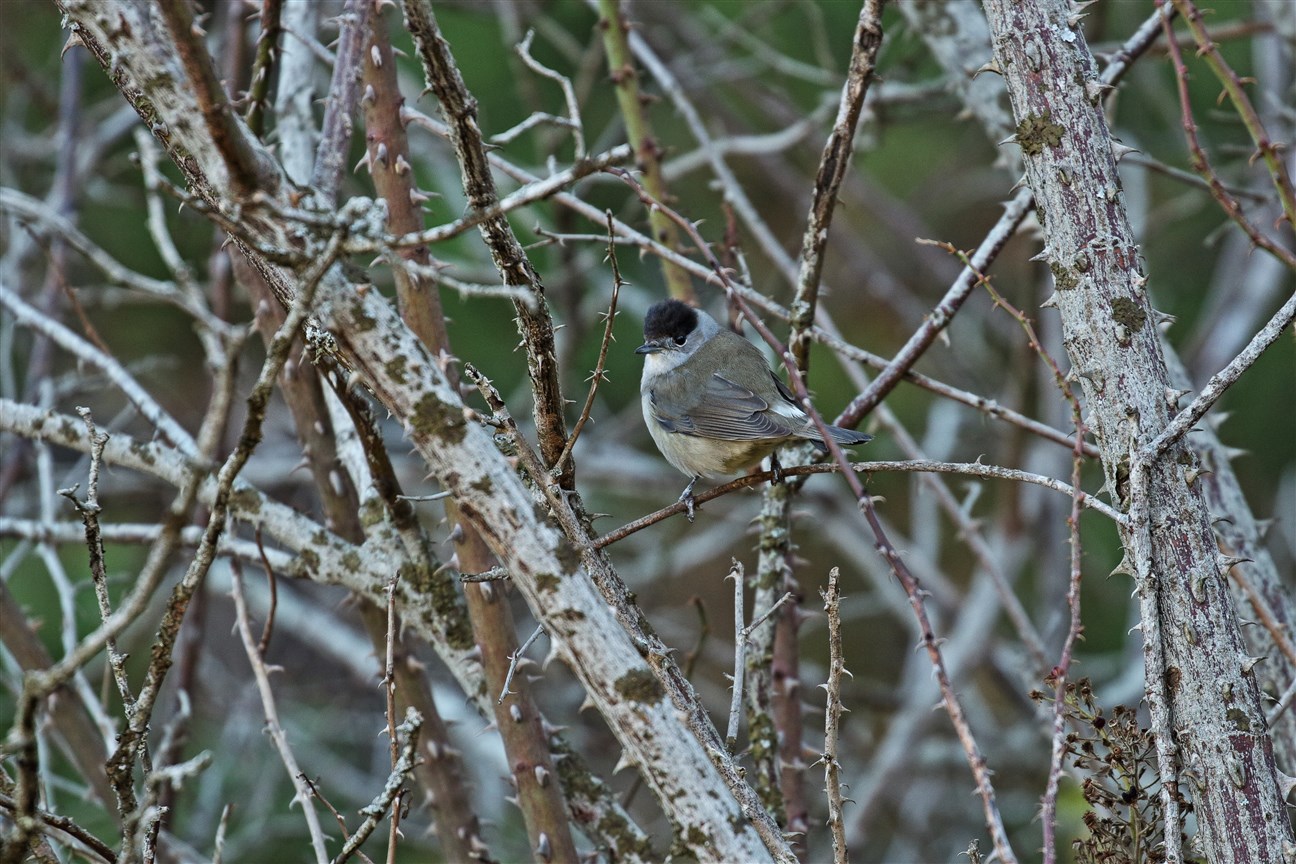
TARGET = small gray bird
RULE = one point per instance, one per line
(711, 402)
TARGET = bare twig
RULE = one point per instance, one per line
(939, 318)
(515, 660)
(1201, 163)
(1284, 702)
(775, 732)
(90, 844)
(1267, 149)
(494, 574)
(740, 654)
(598, 374)
(573, 119)
(1282, 638)
(218, 845)
(1058, 746)
(344, 92)
(389, 690)
(765, 616)
(832, 717)
(263, 644)
(74, 344)
(319, 795)
(1222, 380)
(973, 469)
(28, 208)
(374, 811)
(539, 189)
(833, 165)
(262, 676)
(90, 510)
(743, 634)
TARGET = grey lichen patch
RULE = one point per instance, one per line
(143, 452)
(1036, 132)
(245, 500)
(434, 418)
(440, 590)
(310, 559)
(372, 513)
(568, 557)
(1063, 277)
(639, 685)
(1127, 312)
(363, 321)
(763, 740)
(1241, 722)
(580, 785)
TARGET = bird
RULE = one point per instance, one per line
(711, 402)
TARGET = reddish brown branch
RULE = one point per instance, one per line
(1201, 163)
(230, 137)
(833, 164)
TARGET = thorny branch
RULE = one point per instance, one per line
(973, 469)
(275, 728)
(598, 374)
(833, 716)
(950, 701)
(289, 228)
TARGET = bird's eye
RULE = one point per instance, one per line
(680, 340)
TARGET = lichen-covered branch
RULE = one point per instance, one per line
(1111, 340)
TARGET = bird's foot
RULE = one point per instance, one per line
(690, 503)
(776, 468)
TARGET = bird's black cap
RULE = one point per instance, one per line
(670, 318)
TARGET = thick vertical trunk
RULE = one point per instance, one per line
(1218, 726)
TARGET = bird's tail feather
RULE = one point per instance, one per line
(846, 436)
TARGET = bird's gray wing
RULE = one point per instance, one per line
(727, 411)
(784, 391)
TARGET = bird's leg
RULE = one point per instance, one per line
(776, 468)
(687, 497)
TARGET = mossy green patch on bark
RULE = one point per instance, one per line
(639, 685)
(1037, 131)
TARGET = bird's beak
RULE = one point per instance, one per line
(648, 348)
